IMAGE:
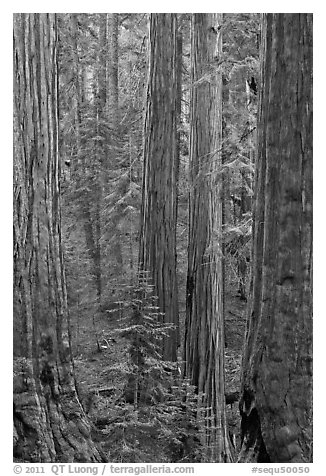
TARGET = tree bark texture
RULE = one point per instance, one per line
(112, 116)
(49, 422)
(204, 340)
(159, 202)
(113, 68)
(276, 403)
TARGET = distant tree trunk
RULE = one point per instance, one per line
(204, 341)
(113, 67)
(103, 60)
(49, 422)
(179, 76)
(77, 95)
(112, 108)
(276, 405)
(159, 203)
(80, 168)
(179, 66)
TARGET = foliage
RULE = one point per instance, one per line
(149, 377)
(100, 162)
(156, 403)
(241, 53)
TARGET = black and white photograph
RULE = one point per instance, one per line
(162, 240)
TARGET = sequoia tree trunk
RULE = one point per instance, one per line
(204, 340)
(276, 405)
(49, 421)
(159, 202)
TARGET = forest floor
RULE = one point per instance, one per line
(130, 435)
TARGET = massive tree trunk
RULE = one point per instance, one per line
(159, 202)
(49, 422)
(204, 341)
(276, 404)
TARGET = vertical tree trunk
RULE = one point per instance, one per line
(113, 114)
(179, 66)
(49, 422)
(103, 61)
(226, 209)
(179, 76)
(80, 167)
(113, 68)
(204, 344)
(77, 96)
(276, 402)
(159, 203)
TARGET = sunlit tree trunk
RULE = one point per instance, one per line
(276, 403)
(159, 201)
(204, 344)
(49, 422)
